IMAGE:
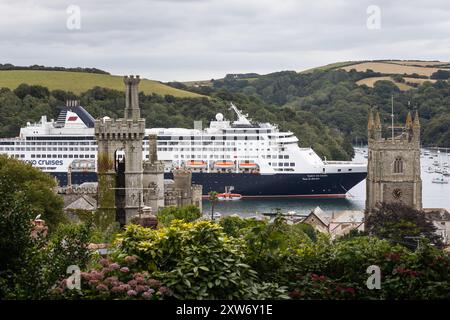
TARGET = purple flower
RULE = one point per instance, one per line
(131, 293)
(124, 269)
(114, 266)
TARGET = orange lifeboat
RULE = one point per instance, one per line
(248, 165)
(224, 164)
(196, 164)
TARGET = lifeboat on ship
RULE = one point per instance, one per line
(229, 196)
(248, 165)
(196, 164)
(224, 164)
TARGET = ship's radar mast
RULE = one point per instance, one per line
(242, 119)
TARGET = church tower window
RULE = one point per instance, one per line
(398, 165)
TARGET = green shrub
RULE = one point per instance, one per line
(196, 261)
(187, 213)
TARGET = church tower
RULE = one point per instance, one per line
(393, 169)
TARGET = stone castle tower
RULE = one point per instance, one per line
(120, 183)
(393, 169)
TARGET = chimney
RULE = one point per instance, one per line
(132, 110)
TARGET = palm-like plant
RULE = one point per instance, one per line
(213, 199)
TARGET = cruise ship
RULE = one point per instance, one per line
(252, 159)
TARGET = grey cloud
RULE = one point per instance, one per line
(183, 40)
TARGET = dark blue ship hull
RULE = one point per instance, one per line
(259, 185)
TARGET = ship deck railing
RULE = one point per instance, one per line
(343, 162)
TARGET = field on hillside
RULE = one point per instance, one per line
(78, 82)
(392, 68)
(419, 63)
(370, 82)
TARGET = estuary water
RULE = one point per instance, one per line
(433, 195)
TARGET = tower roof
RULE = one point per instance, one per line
(408, 120)
(370, 121)
(416, 120)
(377, 123)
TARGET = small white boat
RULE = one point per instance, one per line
(430, 170)
(216, 215)
(440, 180)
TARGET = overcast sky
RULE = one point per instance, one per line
(203, 39)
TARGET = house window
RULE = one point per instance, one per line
(398, 165)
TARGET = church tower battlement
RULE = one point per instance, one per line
(393, 169)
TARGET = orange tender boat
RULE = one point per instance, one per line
(229, 196)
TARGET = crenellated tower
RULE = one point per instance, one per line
(120, 181)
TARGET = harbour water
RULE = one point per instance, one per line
(433, 195)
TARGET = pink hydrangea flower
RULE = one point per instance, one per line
(131, 293)
(132, 283)
(147, 295)
(114, 266)
(93, 282)
(165, 291)
(86, 276)
(102, 287)
(154, 283)
(124, 270)
(140, 280)
(97, 275)
(111, 280)
(117, 289)
(140, 288)
(130, 260)
(104, 262)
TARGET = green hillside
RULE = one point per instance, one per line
(79, 82)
